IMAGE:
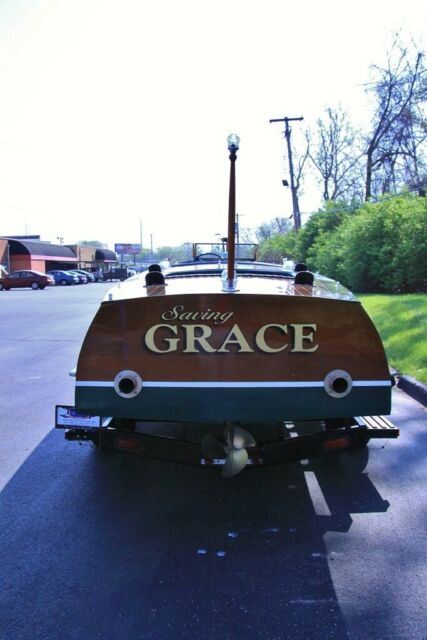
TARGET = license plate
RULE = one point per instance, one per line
(68, 417)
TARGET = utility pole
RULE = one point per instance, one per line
(140, 243)
(295, 205)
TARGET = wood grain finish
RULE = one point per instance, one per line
(117, 339)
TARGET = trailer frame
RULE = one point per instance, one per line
(278, 443)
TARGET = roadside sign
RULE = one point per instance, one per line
(125, 249)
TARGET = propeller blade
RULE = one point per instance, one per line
(211, 448)
(235, 462)
(242, 439)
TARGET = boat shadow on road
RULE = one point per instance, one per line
(109, 546)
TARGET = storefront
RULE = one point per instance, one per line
(38, 256)
(16, 254)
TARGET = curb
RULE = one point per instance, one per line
(411, 386)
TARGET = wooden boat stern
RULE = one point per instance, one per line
(187, 351)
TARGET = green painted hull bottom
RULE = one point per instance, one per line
(237, 405)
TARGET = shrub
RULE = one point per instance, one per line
(384, 247)
(277, 247)
(320, 223)
(379, 247)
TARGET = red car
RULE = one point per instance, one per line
(26, 278)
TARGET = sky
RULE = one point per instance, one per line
(114, 115)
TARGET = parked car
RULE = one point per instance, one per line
(64, 277)
(90, 276)
(116, 273)
(26, 278)
(81, 277)
(97, 274)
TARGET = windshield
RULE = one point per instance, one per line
(246, 251)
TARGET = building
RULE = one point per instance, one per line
(90, 258)
(20, 252)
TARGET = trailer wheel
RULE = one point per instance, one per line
(360, 441)
(359, 438)
(337, 423)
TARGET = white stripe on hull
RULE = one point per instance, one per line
(233, 385)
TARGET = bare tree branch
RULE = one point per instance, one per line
(394, 153)
(335, 151)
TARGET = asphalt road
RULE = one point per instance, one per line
(97, 546)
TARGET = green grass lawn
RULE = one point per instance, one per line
(402, 323)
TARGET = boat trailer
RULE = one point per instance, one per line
(206, 444)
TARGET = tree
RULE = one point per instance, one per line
(320, 223)
(276, 226)
(335, 150)
(145, 256)
(386, 246)
(277, 247)
(175, 254)
(394, 144)
(380, 247)
(92, 243)
(246, 235)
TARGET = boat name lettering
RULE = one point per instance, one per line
(198, 338)
(179, 313)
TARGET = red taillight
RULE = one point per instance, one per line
(336, 444)
(128, 444)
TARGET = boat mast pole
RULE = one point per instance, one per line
(233, 146)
